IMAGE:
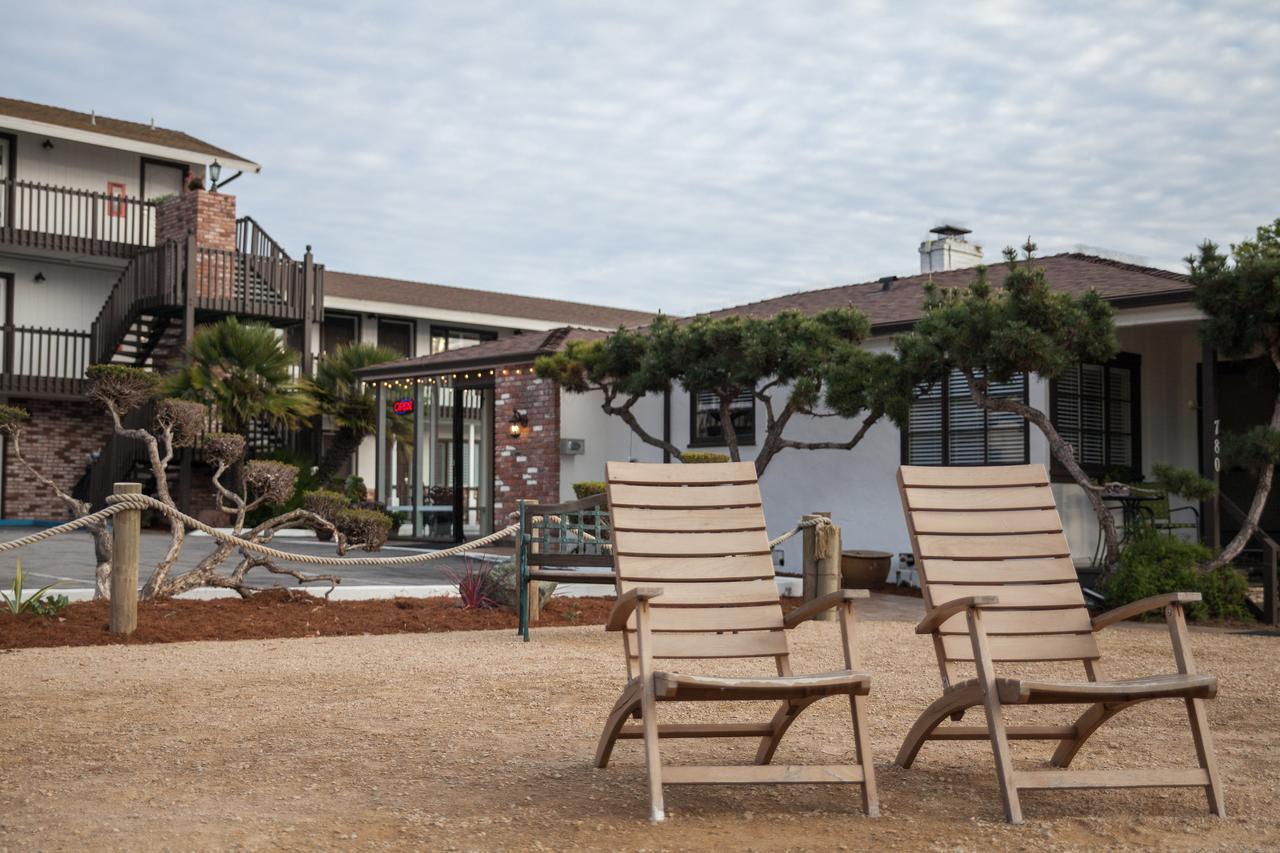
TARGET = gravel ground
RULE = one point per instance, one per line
(477, 741)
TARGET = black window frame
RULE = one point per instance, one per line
(1107, 469)
(339, 315)
(745, 438)
(412, 333)
(945, 401)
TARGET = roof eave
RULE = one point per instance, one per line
(150, 149)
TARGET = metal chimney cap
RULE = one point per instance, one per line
(945, 230)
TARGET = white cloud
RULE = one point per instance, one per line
(688, 156)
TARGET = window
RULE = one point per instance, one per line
(705, 429)
(947, 428)
(1095, 408)
(338, 331)
(443, 339)
(396, 335)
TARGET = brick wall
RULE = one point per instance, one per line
(212, 218)
(57, 440)
(528, 467)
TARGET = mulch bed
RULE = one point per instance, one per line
(279, 613)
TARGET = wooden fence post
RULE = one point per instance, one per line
(126, 531)
(821, 567)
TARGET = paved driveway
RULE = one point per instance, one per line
(68, 558)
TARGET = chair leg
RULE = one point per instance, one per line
(622, 710)
(1204, 752)
(862, 740)
(1087, 723)
(523, 593)
(1003, 758)
(782, 721)
(652, 760)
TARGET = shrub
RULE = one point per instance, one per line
(325, 503)
(699, 457)
(120, 387)
(367, 528)
(223, 448)
(588, 488)
(1152, 564)
(183, 418)
(475, 584)
(12, 419)
(271, 480)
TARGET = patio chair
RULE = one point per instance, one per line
(999, 586)
(695, 582)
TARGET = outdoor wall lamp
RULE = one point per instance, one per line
(39, 278)
(215, 172)
(519, 421)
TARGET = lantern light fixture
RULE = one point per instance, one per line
(519, 420)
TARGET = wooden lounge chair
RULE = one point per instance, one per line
(999, 586)
(696, 581)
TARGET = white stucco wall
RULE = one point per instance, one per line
(859, 487)
(70, 297)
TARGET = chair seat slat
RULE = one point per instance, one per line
(698, 619)
(1011, 521)
(1000, 571)
(1070, 620)
(648, 473)
(695, 646)
(1025, 596)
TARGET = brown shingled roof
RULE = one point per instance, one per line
(377, 289)
(133, 130)
(514, 349)
(896, 303)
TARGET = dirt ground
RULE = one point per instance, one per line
(476, 741)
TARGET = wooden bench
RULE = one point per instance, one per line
(565, 543)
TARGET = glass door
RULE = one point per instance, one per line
(455, 448)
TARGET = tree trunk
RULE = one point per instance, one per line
(345, 442)
(1061, 451)
(727, 427)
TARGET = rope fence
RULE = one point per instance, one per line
(119, 503)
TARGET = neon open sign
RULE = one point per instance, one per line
(402, 407)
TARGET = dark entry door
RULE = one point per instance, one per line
(8, 173)
(1246, 398)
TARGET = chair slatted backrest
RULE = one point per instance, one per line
(996, 531)
(698, 532)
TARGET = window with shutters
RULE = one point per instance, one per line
(1096, 408)
(705, 429)
(947, 428)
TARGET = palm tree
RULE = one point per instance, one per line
(245, 371)
(347, 400)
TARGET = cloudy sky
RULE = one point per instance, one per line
(686, 156)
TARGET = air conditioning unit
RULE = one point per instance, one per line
(573, 446)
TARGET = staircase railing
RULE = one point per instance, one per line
(73, 220)
(152, 279)
(252, 239)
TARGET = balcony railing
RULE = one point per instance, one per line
(43, 362)
(42, 216)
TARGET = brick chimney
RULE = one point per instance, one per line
(210, 216)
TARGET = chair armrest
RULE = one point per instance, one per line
(943, 612)
(1135, 608)
(807, 611)
(627, 603)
